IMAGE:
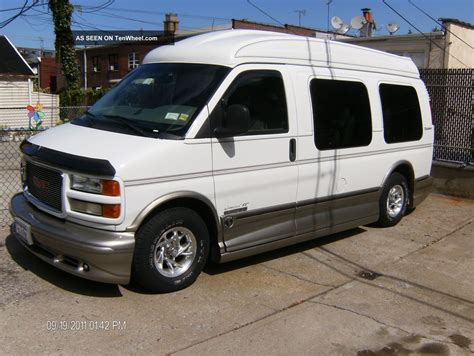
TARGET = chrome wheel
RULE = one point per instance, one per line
(395, 200)
(175, 252)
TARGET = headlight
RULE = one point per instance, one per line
(95, 185)
(111, 211)
(85, 184)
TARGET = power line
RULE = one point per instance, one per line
(164, 13)
(107, 14)
(88, 23)
(423, 34)
(33, 26)
(265, 13)
(439, 23)
(23, 9)
(92, 9)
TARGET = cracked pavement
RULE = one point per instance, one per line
(367, 291)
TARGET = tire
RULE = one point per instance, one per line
(170, 250)
(393, 200)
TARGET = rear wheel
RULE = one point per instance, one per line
(171, 250)
(393, 200)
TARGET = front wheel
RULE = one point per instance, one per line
(393, 200)
(170, 250)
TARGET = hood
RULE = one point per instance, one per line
(132, 157)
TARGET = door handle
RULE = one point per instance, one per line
(292, 150)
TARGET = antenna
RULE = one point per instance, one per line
(358, 22)
(300, 12)
(393, 27)
(343, 29)
(328, 4)
(336, 22)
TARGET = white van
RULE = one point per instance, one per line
(226, 145)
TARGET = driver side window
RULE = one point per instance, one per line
(262, 92)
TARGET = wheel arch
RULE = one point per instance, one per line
(195, 201)
(404, 168)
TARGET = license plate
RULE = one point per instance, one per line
(23, 231)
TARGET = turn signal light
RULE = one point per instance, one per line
(110, 188)
(111, 211)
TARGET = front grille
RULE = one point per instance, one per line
(44, 184)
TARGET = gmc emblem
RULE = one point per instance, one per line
(41, 184)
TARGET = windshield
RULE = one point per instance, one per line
(156, 98)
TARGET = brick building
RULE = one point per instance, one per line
(49, 75)
(291, 29)
(103, 66)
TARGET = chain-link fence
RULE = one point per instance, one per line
(10, 182)
(10, 138)
(452, 100)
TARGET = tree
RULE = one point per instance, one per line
(64, 44)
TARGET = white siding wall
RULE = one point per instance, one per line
(15, 95)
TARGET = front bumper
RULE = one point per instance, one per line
(104, 256)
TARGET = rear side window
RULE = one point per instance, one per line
(341, 113)
(401, 113)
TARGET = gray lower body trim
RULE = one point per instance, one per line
(421, 189)
(231, 256)
(69, 246)
(262, 230)
(333, 211)
(258, 228)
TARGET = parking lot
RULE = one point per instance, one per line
(366, 291)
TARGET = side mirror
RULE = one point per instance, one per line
(236, 121)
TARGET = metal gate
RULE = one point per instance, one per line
(451, 93)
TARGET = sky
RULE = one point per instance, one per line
(34, 29)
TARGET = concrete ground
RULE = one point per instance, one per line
(368, 291)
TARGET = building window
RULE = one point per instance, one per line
(263, 93)
(53, 85)
(113, 62)
(401, 113)
(341, 114)
(96, 64)
(133, 60)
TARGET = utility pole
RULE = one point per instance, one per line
(61, 11)
(85, 68)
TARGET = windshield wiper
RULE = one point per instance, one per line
(88, 117)
(127, 122)
(88, 113)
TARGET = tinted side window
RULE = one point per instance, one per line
(401, 113)
(341, 113)
(263, 93)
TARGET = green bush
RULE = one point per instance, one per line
(77, 97)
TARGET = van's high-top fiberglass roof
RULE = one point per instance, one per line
(233, 47)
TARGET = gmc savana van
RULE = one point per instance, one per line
(226, 145)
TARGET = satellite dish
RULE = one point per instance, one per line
(343, 29)
(393, 27)
(336, 22)
(358, 22)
